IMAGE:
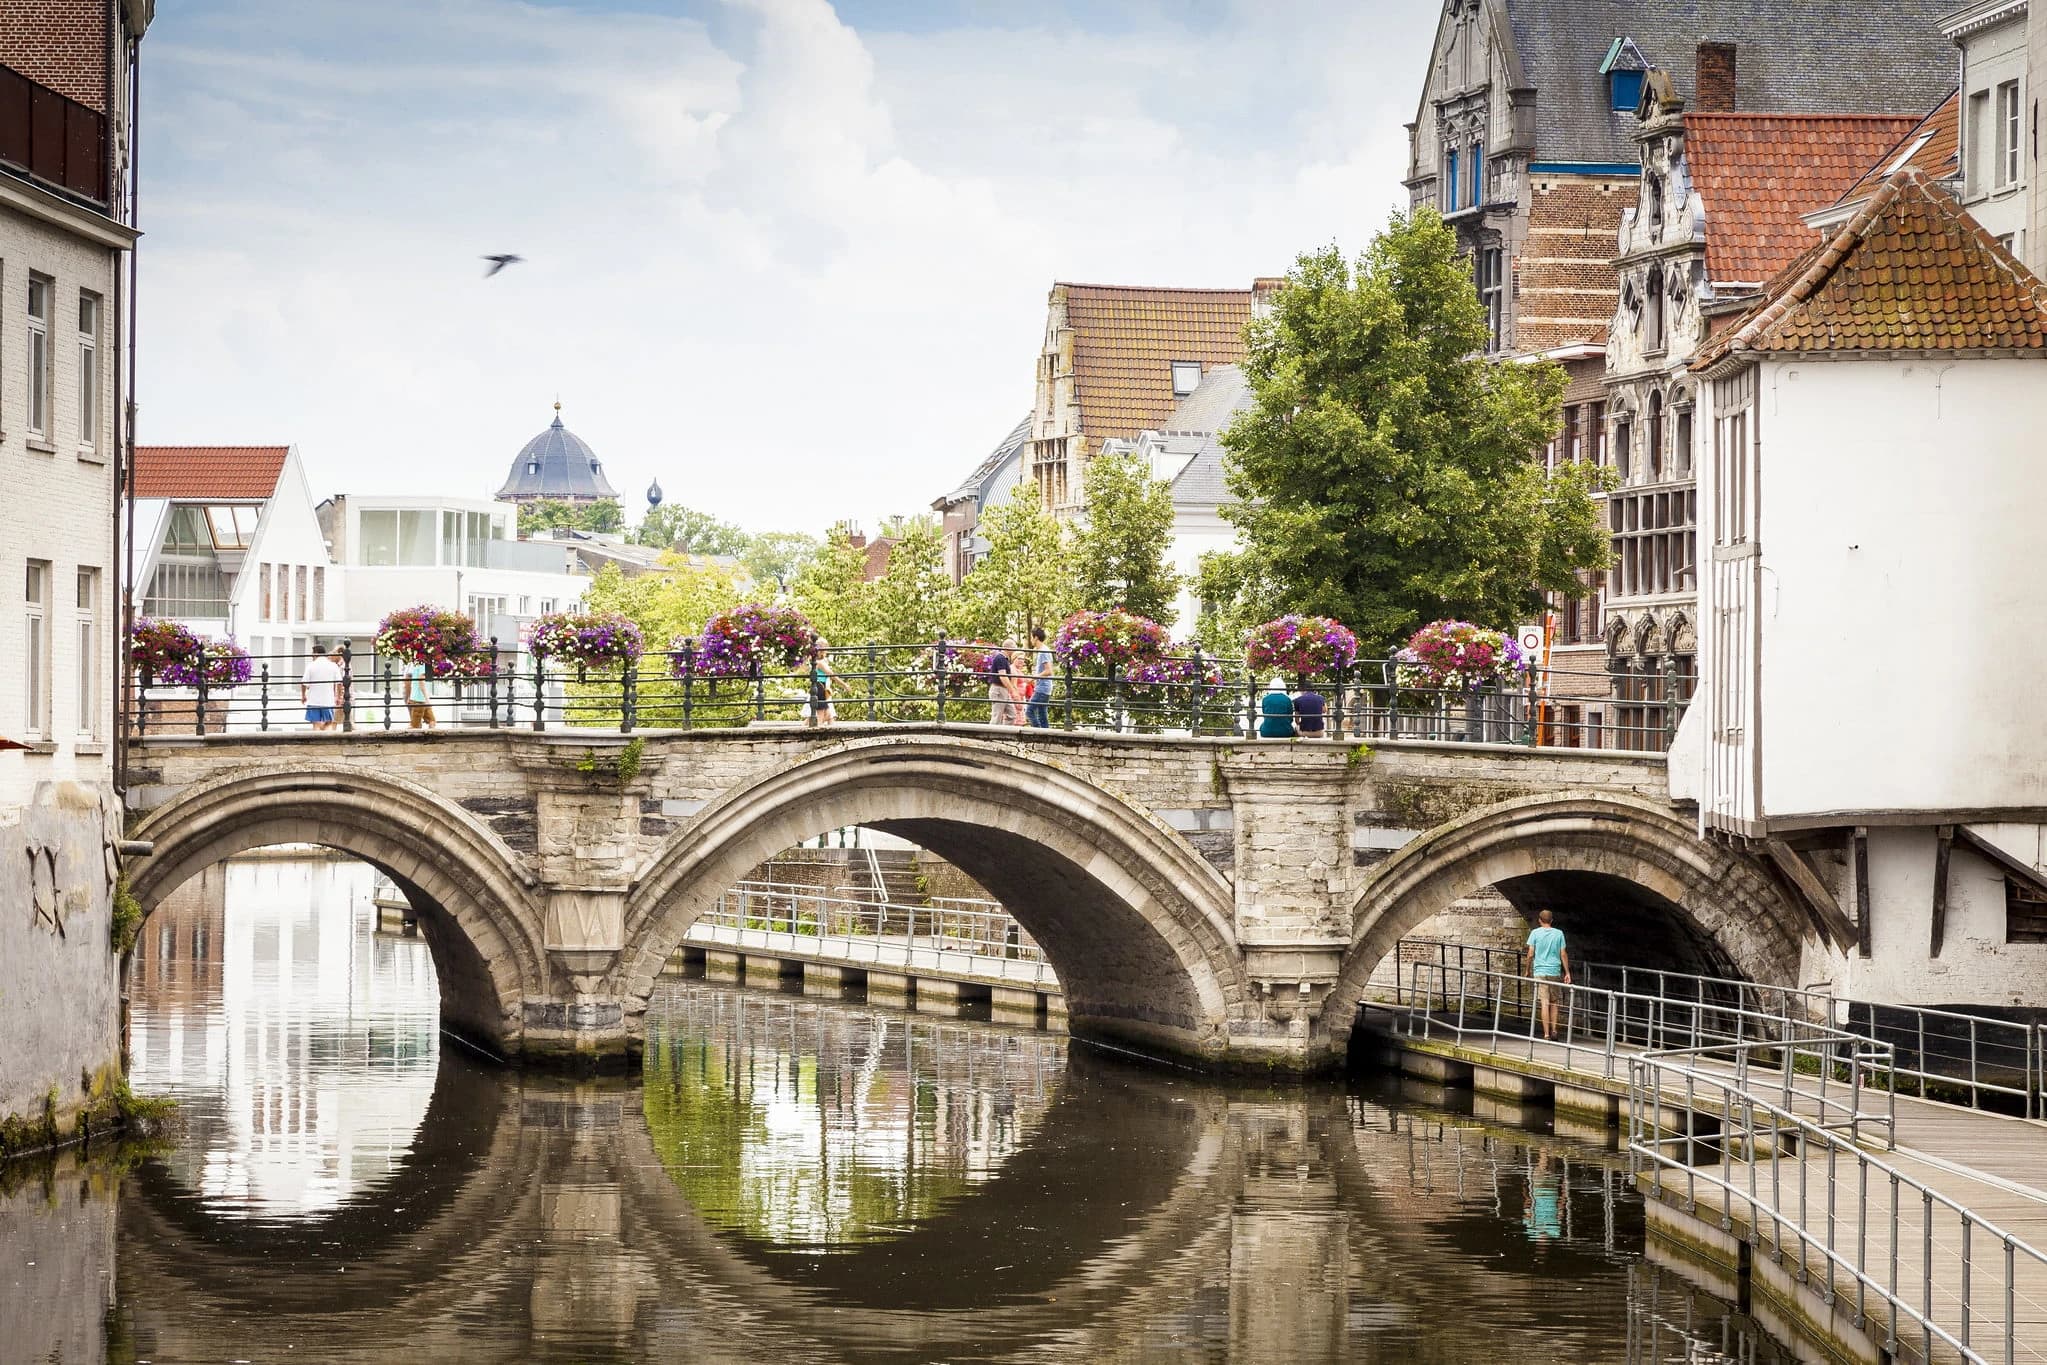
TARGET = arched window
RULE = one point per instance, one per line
(1655, 451)
(1655, 188)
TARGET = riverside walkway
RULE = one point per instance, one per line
(1780, 1163)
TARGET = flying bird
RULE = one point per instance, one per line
(499, 262)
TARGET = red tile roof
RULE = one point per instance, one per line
(1124, 343)
(208, 471)
(1934, 146)
(1911, 271)
(1757, 174)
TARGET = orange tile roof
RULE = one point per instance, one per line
(1911, 271)
(1126, 339)
(234, 472)
(1934, 145)
(1757, 174)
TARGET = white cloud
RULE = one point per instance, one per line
(795, 269)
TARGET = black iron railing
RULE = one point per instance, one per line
(929, 684)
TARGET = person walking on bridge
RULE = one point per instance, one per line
(1549, 963)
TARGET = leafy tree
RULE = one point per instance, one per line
(547, 514)
(833, 591)
(1384, 475)
(1235, 594)
(674, 600)
(1119, 551)
(672, 526)
(775, 559)
(1025, 579)
(912, 601)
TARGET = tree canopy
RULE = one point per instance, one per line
(1119, 550)
(1384, 475)
(1024, 579)
(547, 514)
(688, 531)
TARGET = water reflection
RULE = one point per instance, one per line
(300, 1044)
(803, 1181)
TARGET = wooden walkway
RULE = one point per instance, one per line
(1992, 1165)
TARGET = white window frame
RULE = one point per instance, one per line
(89, 315)
(36, 648)
(88, 632)
(2009, 139)
(1178, 367)
(38, 341)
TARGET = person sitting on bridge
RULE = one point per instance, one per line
(1550, 965)
(1278, 711)
(1308, 708)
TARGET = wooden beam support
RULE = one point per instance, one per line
(1858, 844)
(1820, 906)
(1943, 846)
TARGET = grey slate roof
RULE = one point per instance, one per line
(1791, 56)
(1195, 429)
(557, 464)
(974, 485)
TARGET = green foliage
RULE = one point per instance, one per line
(1236, 593)
(1025, 579)
(1384, 475)
(126, 924)
(676, 600)
(833, 591)
(912, 600)
(1119, 551)
(685, 530)
(629, 759)
(547, 514)
(773, 559)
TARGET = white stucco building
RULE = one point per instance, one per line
(66, 233)
(1871, 496)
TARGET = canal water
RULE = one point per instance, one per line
(792, 1180)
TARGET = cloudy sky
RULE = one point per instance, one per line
(790, 257)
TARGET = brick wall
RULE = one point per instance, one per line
(58, 43)
(1716, 78)
(1564, 280)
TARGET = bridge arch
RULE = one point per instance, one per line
(474, 902)
(1735, 915)
(1138, 925)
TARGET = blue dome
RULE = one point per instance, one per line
(557, 464)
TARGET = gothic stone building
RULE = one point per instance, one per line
(1524, 139)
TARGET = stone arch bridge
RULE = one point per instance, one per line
(1219, 901)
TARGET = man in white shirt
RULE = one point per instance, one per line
(319, 689)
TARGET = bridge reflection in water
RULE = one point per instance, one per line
(800, 1180)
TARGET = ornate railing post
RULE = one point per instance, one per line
(1198, 680)
(347, 685)
(1069, 695)
(689, 678)
(939, 673)
(263, 697)
(140, 719)
(629, 695)
(870, 681)
(1116, 696)
(539, 693)
(1534, 736)
(386, 689)
(493, 694)
(760, 691)
(201, 709)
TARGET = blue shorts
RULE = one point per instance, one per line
(319, 715)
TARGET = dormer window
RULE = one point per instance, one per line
(533, 466)
(1625, 89)
(1186, 377)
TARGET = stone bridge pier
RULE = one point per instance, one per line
(1219, 902)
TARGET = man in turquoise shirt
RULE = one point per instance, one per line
(1550, 965)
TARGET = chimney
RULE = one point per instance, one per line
(1715, 83)
(1263, 290)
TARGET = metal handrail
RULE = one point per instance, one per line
(1608, 1025)
(862, 930)
(1984, 1070)
(931, 682)
(1755, 1137)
